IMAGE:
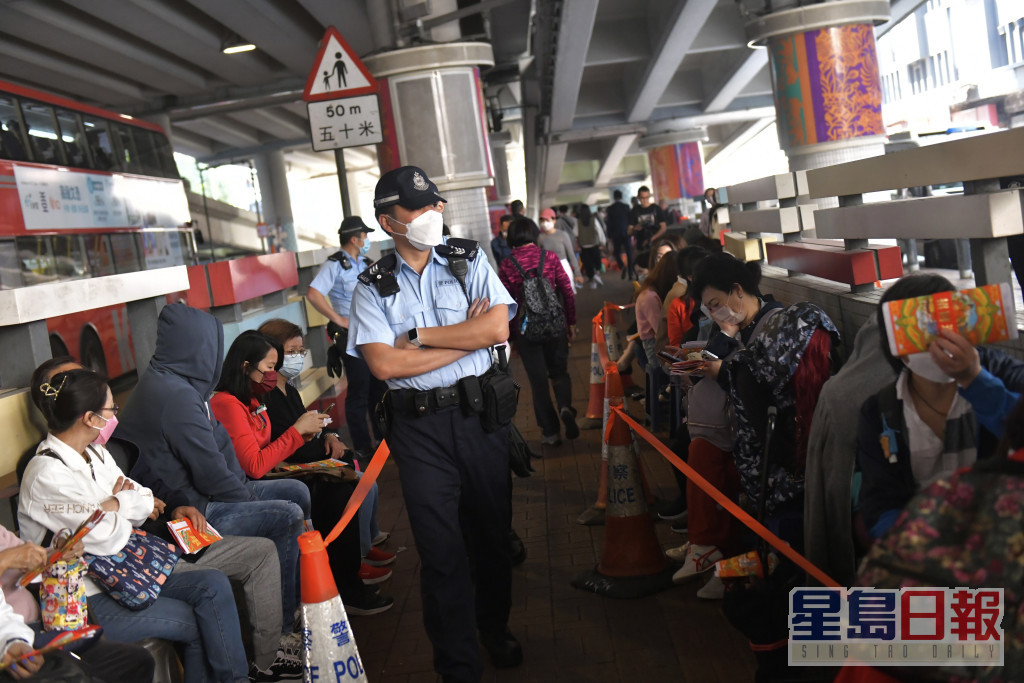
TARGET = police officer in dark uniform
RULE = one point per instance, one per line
(424, 320)
(331, 294)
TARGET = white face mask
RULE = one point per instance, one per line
(292, 365)
(547, 226)
(923, 365)
(723, 315)
(425, 231)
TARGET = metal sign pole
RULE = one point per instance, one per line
(346, 205)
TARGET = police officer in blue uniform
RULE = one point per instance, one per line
(331, 294)
(424, 319)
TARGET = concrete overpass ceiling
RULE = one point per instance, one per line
(648, 64)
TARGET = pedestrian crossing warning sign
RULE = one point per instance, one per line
(337, 71)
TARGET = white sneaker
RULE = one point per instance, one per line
(593, 284)
(597, 279)
(712, 590)
(678, 554)
(700, 559)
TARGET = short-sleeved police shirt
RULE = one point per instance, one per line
(431, 299)
(338, 284)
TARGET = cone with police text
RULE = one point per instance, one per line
(329, 649)
(633, 564)
(598, 356)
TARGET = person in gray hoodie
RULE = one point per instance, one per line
(186, 456)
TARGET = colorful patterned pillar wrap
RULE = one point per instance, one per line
(677, 171)
(827, 87)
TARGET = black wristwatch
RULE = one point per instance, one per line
(414, 338)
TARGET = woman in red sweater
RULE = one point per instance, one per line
(543, 360)
(247, 376)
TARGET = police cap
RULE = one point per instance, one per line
(407, 186)
(353, 225)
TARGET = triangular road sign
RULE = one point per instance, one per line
(337, 71)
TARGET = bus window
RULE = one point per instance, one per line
(75, 147)
(148, 163)
(10, 269)
(165, 156)
(98, 137)
(126, 252)
(129, 158)
(69, 257)
(12, 138)
(97, 249)
(42, 133)
(37, 264)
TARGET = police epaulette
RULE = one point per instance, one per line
(459, 248)
(381, 275)
(342, 258)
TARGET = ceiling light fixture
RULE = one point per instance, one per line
(235, 44)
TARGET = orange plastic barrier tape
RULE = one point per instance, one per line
(723, 500)
(366, 482)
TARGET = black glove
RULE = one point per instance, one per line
(334, 367)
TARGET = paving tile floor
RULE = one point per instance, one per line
(567, 635)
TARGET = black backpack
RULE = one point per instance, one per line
(540, 315)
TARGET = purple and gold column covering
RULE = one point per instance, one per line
(676, 159)
(825, 80)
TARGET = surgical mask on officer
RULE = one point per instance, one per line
(425, 231)
(292, 365)
(365, 249)
(923, 365)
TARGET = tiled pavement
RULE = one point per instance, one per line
(567, 635)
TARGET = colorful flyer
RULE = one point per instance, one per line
(190, 540)
(983, 315)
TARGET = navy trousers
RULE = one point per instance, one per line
(458, 492)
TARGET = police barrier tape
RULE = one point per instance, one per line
(366, 482)
(723, 500)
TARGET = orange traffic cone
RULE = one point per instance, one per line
(598, 359)
(594, 515)
(632, 563)
(329, 648)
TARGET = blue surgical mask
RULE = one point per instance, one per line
(365, 249)
(292, 365)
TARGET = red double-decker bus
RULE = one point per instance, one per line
(86, 192)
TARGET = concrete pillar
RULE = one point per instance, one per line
(676, 159)
(277, 202)
(26, 346)
(433, 117)
(142, 319)
(824, 65)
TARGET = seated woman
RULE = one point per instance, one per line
(927, 424)
(284, 408)
(247, 377)
(105, 659)
(195, 608)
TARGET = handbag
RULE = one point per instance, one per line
(134, 576)
(62, 599)
(500, 395)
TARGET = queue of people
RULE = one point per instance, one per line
(423, 336)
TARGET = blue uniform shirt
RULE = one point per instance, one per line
(433, 299)
(338, 284)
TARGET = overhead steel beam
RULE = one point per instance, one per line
(612, 159)
(595, 133)
(229, 130)
(69, 68)
(574, 30)
(108, 40)
(683, 25)
(245, 153)
(899, 10)
(741, 137)
(479, 7)
(740, 79)
(553, 162)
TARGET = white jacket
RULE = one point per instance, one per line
(12, 627)
(61, 494)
